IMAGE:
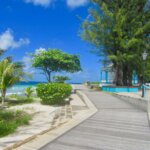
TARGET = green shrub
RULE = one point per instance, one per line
(28, 92)
(60, 79)
(18, 100)
(13, 96)
(53, 93)
(7, 128)
(6, 115)
(23, 120)
(11, 120)
(24, 100)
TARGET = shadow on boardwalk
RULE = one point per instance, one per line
(116, 126)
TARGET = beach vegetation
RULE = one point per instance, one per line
(11, 120)
(55, 60)
(29, 92)
(14, 99)
(10, 74)
(60, 79)
(119, 33)
(54, 93)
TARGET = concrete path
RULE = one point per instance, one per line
(116, 126)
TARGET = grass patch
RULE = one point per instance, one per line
(14, 100)
(11, 120)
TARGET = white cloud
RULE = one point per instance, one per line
(44, 3)
(27, 61)
(7, 40)
(39, 50)
(70, 3)
(76, 3)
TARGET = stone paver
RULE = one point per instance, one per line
(65, 119)
(38, 124)
(45, 118)
(117, 125)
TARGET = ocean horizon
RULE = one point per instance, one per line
(21, 86)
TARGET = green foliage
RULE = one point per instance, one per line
(53, 93)
(54, 60)
(11, 120)
(24, 100)
(120, 32)
(6, 115)
(15, 99)
(14, 96)
(96, 83)
(7, 128)
(60, 79)
(23, 119)
(28, 92)
(10, 73)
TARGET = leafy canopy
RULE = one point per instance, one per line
(120, 32)
(55, 60)
(10, 73)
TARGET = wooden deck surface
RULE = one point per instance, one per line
(116, 126)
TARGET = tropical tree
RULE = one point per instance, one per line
(60, 79)
(119, 30)
(29, 91)
(55, 60)
(10, 73)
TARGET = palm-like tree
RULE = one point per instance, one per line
(10, 73)
(29, 91)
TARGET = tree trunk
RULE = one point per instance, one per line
(49, 77)
(130, 77)
(3, 96)
(140, 79)
(125, 75)
(119, 76)
(47, 73)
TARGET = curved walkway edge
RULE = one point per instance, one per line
(117, 125)
(49, 136)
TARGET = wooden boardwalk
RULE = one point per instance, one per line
(116, 126)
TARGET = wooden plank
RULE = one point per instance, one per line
(116, 126)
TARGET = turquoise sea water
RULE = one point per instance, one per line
(20, 87)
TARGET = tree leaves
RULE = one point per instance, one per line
(122, 27)
(55, 60)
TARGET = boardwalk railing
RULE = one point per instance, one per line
(147, 98)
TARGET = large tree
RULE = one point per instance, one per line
(55, 60)
(119, 30)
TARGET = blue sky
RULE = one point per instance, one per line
(28, 25)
